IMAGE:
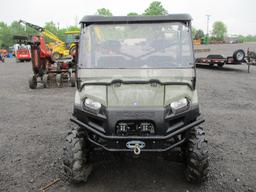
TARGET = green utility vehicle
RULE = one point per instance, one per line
(136, 93)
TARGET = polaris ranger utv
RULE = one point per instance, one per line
(136, 93)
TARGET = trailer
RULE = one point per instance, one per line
(239, 57)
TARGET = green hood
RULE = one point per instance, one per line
(136, 90)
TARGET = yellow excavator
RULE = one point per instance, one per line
(59, 48)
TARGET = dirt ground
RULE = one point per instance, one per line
(33, 125)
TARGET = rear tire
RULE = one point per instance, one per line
(196, 153)
(32, 82)
(75, 156)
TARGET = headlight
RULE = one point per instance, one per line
(180, 105)
(93, 105)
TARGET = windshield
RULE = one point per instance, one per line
(148, 45)
(70, 38)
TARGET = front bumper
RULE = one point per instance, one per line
(170, 129)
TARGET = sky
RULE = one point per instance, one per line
(239, 16)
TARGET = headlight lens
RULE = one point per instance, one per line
(180, 104)
(94, 105)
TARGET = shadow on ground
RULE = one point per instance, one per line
(147, 173)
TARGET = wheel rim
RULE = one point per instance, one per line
(45, 80)
(58, 80)
(56, 56)
(240, 56)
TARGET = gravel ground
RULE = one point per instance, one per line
(33, 125)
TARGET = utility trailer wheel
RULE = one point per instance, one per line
(75, 156)
(59, 80)
(73, 79)
(32, 82)
(196, 154)
(239, 55)
(45, 80)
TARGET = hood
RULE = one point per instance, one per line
(136, 88)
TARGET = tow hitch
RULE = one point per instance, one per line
(136, 146)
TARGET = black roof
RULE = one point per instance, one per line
(90, 19)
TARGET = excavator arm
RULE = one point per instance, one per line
(44, 31)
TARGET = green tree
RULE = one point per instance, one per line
(132, 14)
(5, 36)
(219, 30)
(155, 8)
(193, 32)
(51, 26)
(73, 28)
(17, 28)
(104, 12)
(199, 34)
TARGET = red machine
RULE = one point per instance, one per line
(23, 54)
(45, 69)
(21, 50)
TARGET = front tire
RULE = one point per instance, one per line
(45, 80)
(75, 156)
(73, 80)
(197, 159)
(32, 82)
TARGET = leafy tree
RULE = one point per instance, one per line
(248, 38)
(155, 8)
(199, 34)
(132, 14)
(73, 28)
(104, 12)
(17, 28)
(219, 30)
(5, 36)
(193, 32)
(51, 26)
